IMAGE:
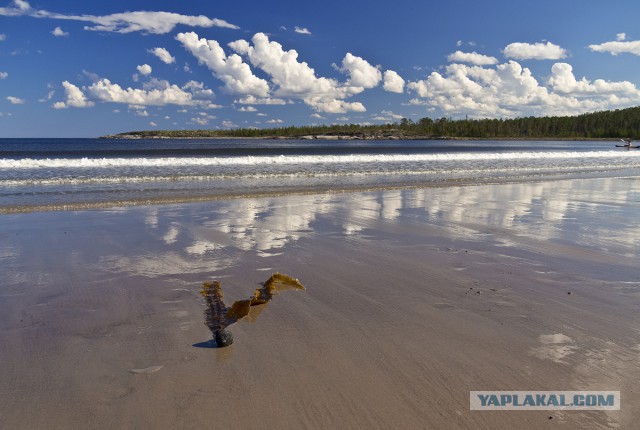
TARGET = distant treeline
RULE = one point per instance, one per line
(621, 123)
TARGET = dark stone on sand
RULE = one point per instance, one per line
(223, 338)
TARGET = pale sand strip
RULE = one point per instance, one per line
(413, 299)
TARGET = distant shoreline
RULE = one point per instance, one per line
(160, 136)
(604, 125)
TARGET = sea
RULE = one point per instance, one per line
(46, 174)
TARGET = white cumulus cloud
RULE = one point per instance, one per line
(74, 97)
(563, 80)
(253, 100)
(329, 105)
(472, 58)
(295, 79)
(4, 75)
(144, 69)
(387, 115)
(287, 73)
(361, 74)
(237, 75)
(3, 37)
(104, 90)
(20, 7)
(59, 32)
(393, 82)
(15, 100)
(618, 47)
(534, 51)
(509, 90)
(163, 55)
(302, 30)
(198, 90)
(200, 120)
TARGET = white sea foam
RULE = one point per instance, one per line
(97, 163)
(460, 173)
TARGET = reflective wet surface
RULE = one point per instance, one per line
(518, 286)
(205, 238)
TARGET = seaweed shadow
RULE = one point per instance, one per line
(211, 343)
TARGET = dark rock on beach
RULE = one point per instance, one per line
(223, 338)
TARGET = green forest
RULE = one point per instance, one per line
(621, 123)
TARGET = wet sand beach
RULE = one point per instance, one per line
(413, 299)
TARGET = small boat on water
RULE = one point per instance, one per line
(627, 144)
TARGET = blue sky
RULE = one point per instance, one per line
(83, 69)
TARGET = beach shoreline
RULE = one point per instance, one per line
(209, 195)
(415, 297)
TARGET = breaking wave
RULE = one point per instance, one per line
(97, 163)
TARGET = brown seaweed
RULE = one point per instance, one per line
(276, 283)
(218, 316)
